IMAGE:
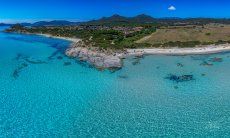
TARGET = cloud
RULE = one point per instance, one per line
(172, 8)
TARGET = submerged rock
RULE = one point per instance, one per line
(181, 78)
(137, 61)
(180, 65)
(203, 74)
(215, 59)
(97, 58)
(205, 63)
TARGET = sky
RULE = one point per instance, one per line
(83, 10)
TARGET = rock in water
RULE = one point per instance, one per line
(216, 59)
(182, 78)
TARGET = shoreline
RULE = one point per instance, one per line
(102, 59)
(73, 40)
(199, 50)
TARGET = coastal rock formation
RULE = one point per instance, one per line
(98, 58)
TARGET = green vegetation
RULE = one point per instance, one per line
(142, 31)
(103, 37)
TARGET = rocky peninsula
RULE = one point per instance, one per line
(101, 59)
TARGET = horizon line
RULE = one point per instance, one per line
(14, 21)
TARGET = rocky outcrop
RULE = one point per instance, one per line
(98, 58)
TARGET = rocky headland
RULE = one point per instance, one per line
(101, 59)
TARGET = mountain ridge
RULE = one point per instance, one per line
(117, 19)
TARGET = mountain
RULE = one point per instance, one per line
(54, 23)
(26, 24)
(117, 19)
(136, 20)
(141, 19)
(5, 24)
(50, 23)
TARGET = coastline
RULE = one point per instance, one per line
(73, 40)
(199, 50)
(106, 59)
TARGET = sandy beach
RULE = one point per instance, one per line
(210, 49)
(75, 40)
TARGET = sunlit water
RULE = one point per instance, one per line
(43, 93)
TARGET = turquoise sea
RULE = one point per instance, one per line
(43, 93)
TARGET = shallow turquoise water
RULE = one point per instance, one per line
(45, 94)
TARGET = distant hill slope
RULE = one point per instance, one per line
(5, 24)
(55, 23)
(140, 19)
(117, 19)
(51, 23)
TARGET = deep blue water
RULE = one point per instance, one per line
(43, 93)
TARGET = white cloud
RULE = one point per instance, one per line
(172, 8)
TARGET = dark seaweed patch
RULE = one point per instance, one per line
(176, 87)
(60, 48)
(19, 69)
(15, 74)
(35, 61)
(201, 57)
(20, 56)
(53, 54)
(123, 76)
(182, 78)
(60, 57)
(67, 63)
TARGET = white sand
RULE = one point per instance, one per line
(75, 40)
(181, 51)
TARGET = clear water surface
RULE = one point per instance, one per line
(43, 93)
